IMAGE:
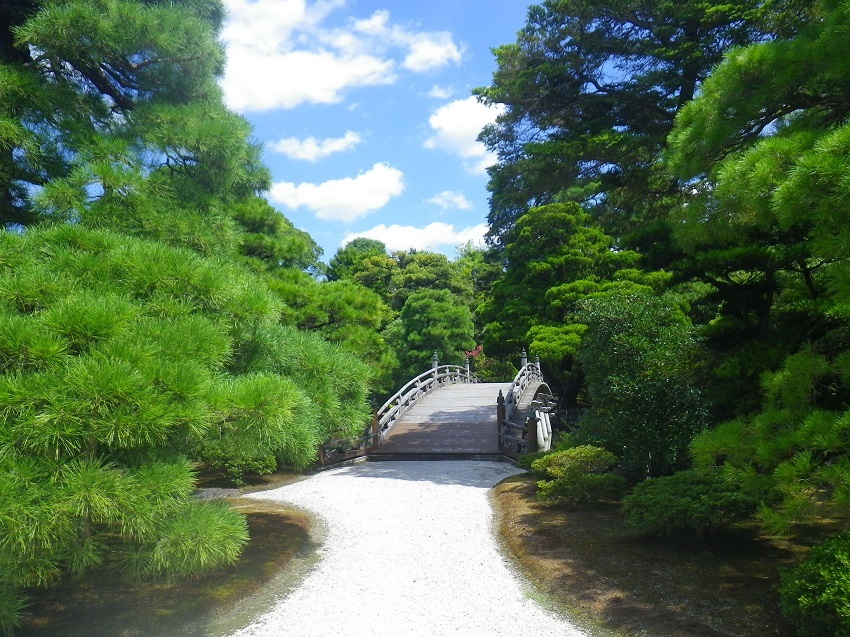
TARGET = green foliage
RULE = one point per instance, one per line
(12, 607)
(261, 417)
(335, 381)
(351, 258)
(526, 460)
(167, 36)
(395, 277)
(764, 169)
(576, 460)
(481, 266)
(687, 502)
(362, 309)
(556, 257)
(269, 240)
(579, 476)
(638, 356)
(124, 128)
(148, 357)
(141, 319)
(343, 312)
(421, 271)
(573, 130)
(815, 595)
(765, 223)
(792, 454)
(197, 538)
(432, 321)
(490, 370)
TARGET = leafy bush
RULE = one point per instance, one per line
(815, 595)
(526, 460)
(577, 460)
(795, 451)
(638, 355)
(490, 370)
(198, 538)
(579, 476)
(122, 363)
(687, 501)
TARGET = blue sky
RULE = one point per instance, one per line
(365, 113)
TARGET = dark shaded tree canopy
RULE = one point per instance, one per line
(591, 90)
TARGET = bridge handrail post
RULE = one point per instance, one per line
(500, 418)
(375, 431)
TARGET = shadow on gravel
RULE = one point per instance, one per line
(480, 474)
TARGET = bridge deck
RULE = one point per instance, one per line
(454, 419)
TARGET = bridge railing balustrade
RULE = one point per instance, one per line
(528, 374)
(396, 406)
(535, 434)
(337, 450)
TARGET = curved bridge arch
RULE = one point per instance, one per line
(446, 412)
(400, 403)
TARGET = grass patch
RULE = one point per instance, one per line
(590, 564)
(103, 604)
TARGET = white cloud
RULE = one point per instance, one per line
(431, 237)
(441, 92)
(448, 200)
(456, 127)
(280, 53)
(317, 77)
(345, 199)
(425, 50)
(312, 149)
(431, 51)
(267, 25)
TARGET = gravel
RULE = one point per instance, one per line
(409, 550)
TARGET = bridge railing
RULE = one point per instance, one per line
(400, 402)
(338, 449)
(528, 374)
(535, 433)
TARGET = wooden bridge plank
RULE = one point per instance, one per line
(452, 419)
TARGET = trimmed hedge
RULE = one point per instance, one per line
(579, 476)
(686, 502)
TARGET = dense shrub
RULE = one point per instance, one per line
(687, 501)
(527, 460)
(638, 356)
(123, 363)
(816, 594)
(581, 460)
(490, 370)
(795, 450)
(579, 476)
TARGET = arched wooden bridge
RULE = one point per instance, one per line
(446, 413)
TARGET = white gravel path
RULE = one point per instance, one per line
(409, 550)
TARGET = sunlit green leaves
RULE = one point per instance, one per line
(131, 52)
(638, 355)
(198, 537)
(119, 360)
(433, 321)
(556, 257)
(793, 455)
